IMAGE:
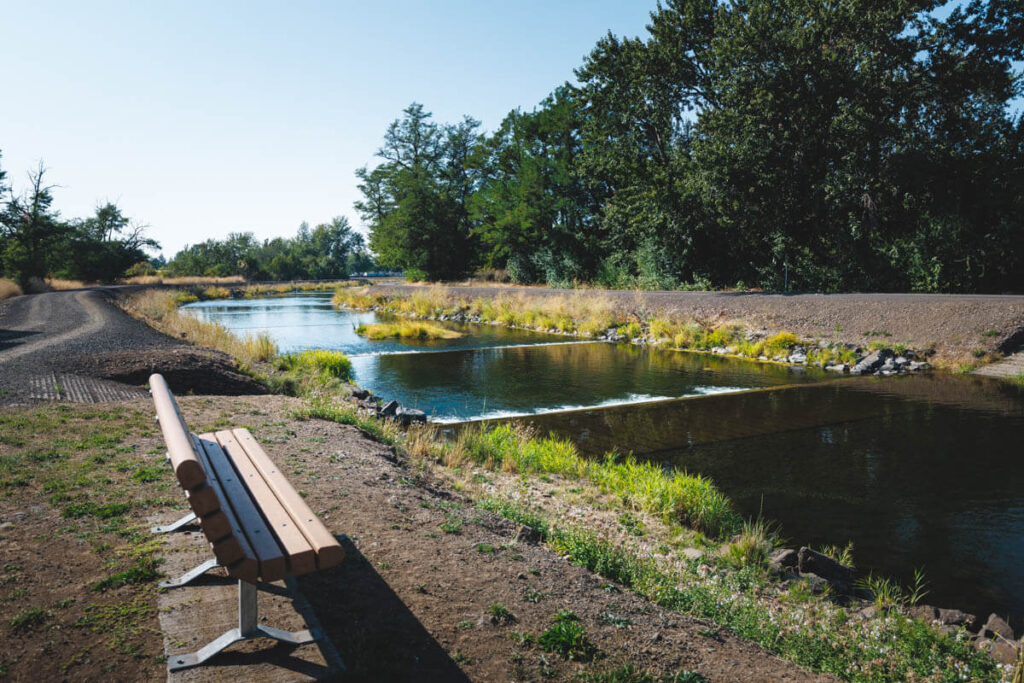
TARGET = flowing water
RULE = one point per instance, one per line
(921, 472)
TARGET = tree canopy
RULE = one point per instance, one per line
(823, 145)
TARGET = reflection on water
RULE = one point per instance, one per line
(310, 321)
(501, 382)
(919, 472)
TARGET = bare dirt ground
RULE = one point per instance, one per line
(921, 321)
(413, 600)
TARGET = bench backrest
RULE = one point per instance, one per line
(259, 526)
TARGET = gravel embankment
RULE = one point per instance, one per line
(951, 322)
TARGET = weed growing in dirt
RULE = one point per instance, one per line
(568, 638)
(80, 461)
(30, 619)
(629, 674)
(500, 614)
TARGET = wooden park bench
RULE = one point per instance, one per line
(260, 529)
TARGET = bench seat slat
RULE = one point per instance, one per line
(329, 552)
(233, 549)
(300, 555)
(251, 525)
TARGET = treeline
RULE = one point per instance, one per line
(847, 145)
(35, 242)
(328, 251)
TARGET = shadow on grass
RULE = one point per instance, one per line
(375, 634)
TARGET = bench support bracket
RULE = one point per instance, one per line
(248, 628)
(190, 518)
(190, 576)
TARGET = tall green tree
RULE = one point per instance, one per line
(415, 201)
(32, 230)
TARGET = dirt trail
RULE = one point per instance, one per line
(77, 346)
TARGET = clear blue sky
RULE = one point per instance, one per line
(203, 118)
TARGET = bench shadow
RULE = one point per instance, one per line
(373, 631)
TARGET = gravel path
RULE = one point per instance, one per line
(77, 346)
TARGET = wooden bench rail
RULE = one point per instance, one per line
(180, 448)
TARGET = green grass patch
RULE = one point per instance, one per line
(324, 408)
(676, 496)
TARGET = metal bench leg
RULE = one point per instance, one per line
(247, 628)
(174, 526)
(189, 576)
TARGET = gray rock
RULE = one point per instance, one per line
(692, 553)
(817, 584)
(798, 358)
(389, 409)
(916, 366)
(839, 575)
(1000, 650)
(784, 557)
(872, 362)
(925, 613)
(996, 626)
(888, 366)
(900, 361)
(360, 394)
(408, 416)
(954, 617)
(836, 368)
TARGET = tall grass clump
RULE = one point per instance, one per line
(260, 347)
(406, 329)
(676, 496)
(782, 342)
(334, 364)
(9, 289)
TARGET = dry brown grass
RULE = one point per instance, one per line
(59, 285)
(9, 289)
(159, 308)
(161, 280)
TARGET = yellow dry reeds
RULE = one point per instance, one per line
(9, 289)
(160, 309)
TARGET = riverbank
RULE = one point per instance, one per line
(956, 332)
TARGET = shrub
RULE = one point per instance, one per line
(783, 341)
(416, 275)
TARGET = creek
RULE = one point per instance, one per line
(920, 472)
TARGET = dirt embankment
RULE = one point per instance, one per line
(950, 323)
